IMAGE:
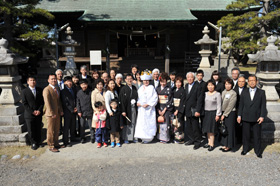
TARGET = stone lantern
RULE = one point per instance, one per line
(69, 46)
(11, 110)
(205, 44)
(268, 70)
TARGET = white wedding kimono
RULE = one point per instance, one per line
(146, 119)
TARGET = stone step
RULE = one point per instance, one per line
(11, 110)
(274, 116)
(273, 106)
(9, 138)
(11, 129)
(11, 120)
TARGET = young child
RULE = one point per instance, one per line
(114, 123)
(99, 121)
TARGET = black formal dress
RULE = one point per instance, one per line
(165, 100)
(250, 111)
(68, 98)
(177, 97)
(31, 103)
(191, 103)
(220, 87)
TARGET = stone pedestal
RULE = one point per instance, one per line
(226, 64)
(269, 80)
(205, 54)
(12, 126)
(271, 125)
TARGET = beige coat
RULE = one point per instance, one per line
(95, 97)
(229, 100)
(52, 102)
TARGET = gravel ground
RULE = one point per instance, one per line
(142, 164)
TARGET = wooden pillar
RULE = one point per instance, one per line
(107, 51)
(167, 52)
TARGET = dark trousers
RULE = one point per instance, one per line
(193, 131)
(238, 133)
(34, 128)
(101, 135)
(257, 128)
(83, 121)
(69, 124)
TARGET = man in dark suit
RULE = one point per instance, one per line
(235, 72)
(241, 85)
(252, 111)
(199, 79)
(33, 102)
(155, 80)
(171, 83)
(68, 97)
(191, 106)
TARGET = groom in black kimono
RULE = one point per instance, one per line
(128, 100)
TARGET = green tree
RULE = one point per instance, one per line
(248, 31)
(21, 24)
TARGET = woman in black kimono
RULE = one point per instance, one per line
(164, 108)
(220, 86)
(178, 93)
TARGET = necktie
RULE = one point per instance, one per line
(71, 91)
(34, 92)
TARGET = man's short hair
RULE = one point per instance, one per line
(119, 75)
(190, 73)
(30, 77)
(173, 73)
(253, 75)
(83, 81)
(200, 72)
(83, 67)
(114, 100)
(155, 70)
(128, 75)
(235, 68)
(58, 70)
(52, 74)
(67, 78)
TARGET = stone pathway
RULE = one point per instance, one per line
(142, 164)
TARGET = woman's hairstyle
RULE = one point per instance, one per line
(100, 81)
(98, 104)
(163, 76)
(215, 72)
(108, 88)
(179, 78)
(212, 82)
(230, 81)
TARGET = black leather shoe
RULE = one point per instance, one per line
(243, 153)
(196, 147)
(224, 150)
(34, 147)
(259, 156)
(189, 143)
(206, 146)
(210, 148)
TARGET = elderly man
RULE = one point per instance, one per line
(53, 111)
(235, 72)
(241, 86)
(84, 75)
(252, 111)
(155, 81)
(59, 76)
(119, 85)
(191, 106)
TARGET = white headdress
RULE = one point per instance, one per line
(146, 75)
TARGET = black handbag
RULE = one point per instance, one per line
(223, 129)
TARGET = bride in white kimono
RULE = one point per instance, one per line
(147, 100)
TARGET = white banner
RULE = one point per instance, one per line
(95, 57)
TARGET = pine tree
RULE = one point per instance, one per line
(20, 24)
(248, 31)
